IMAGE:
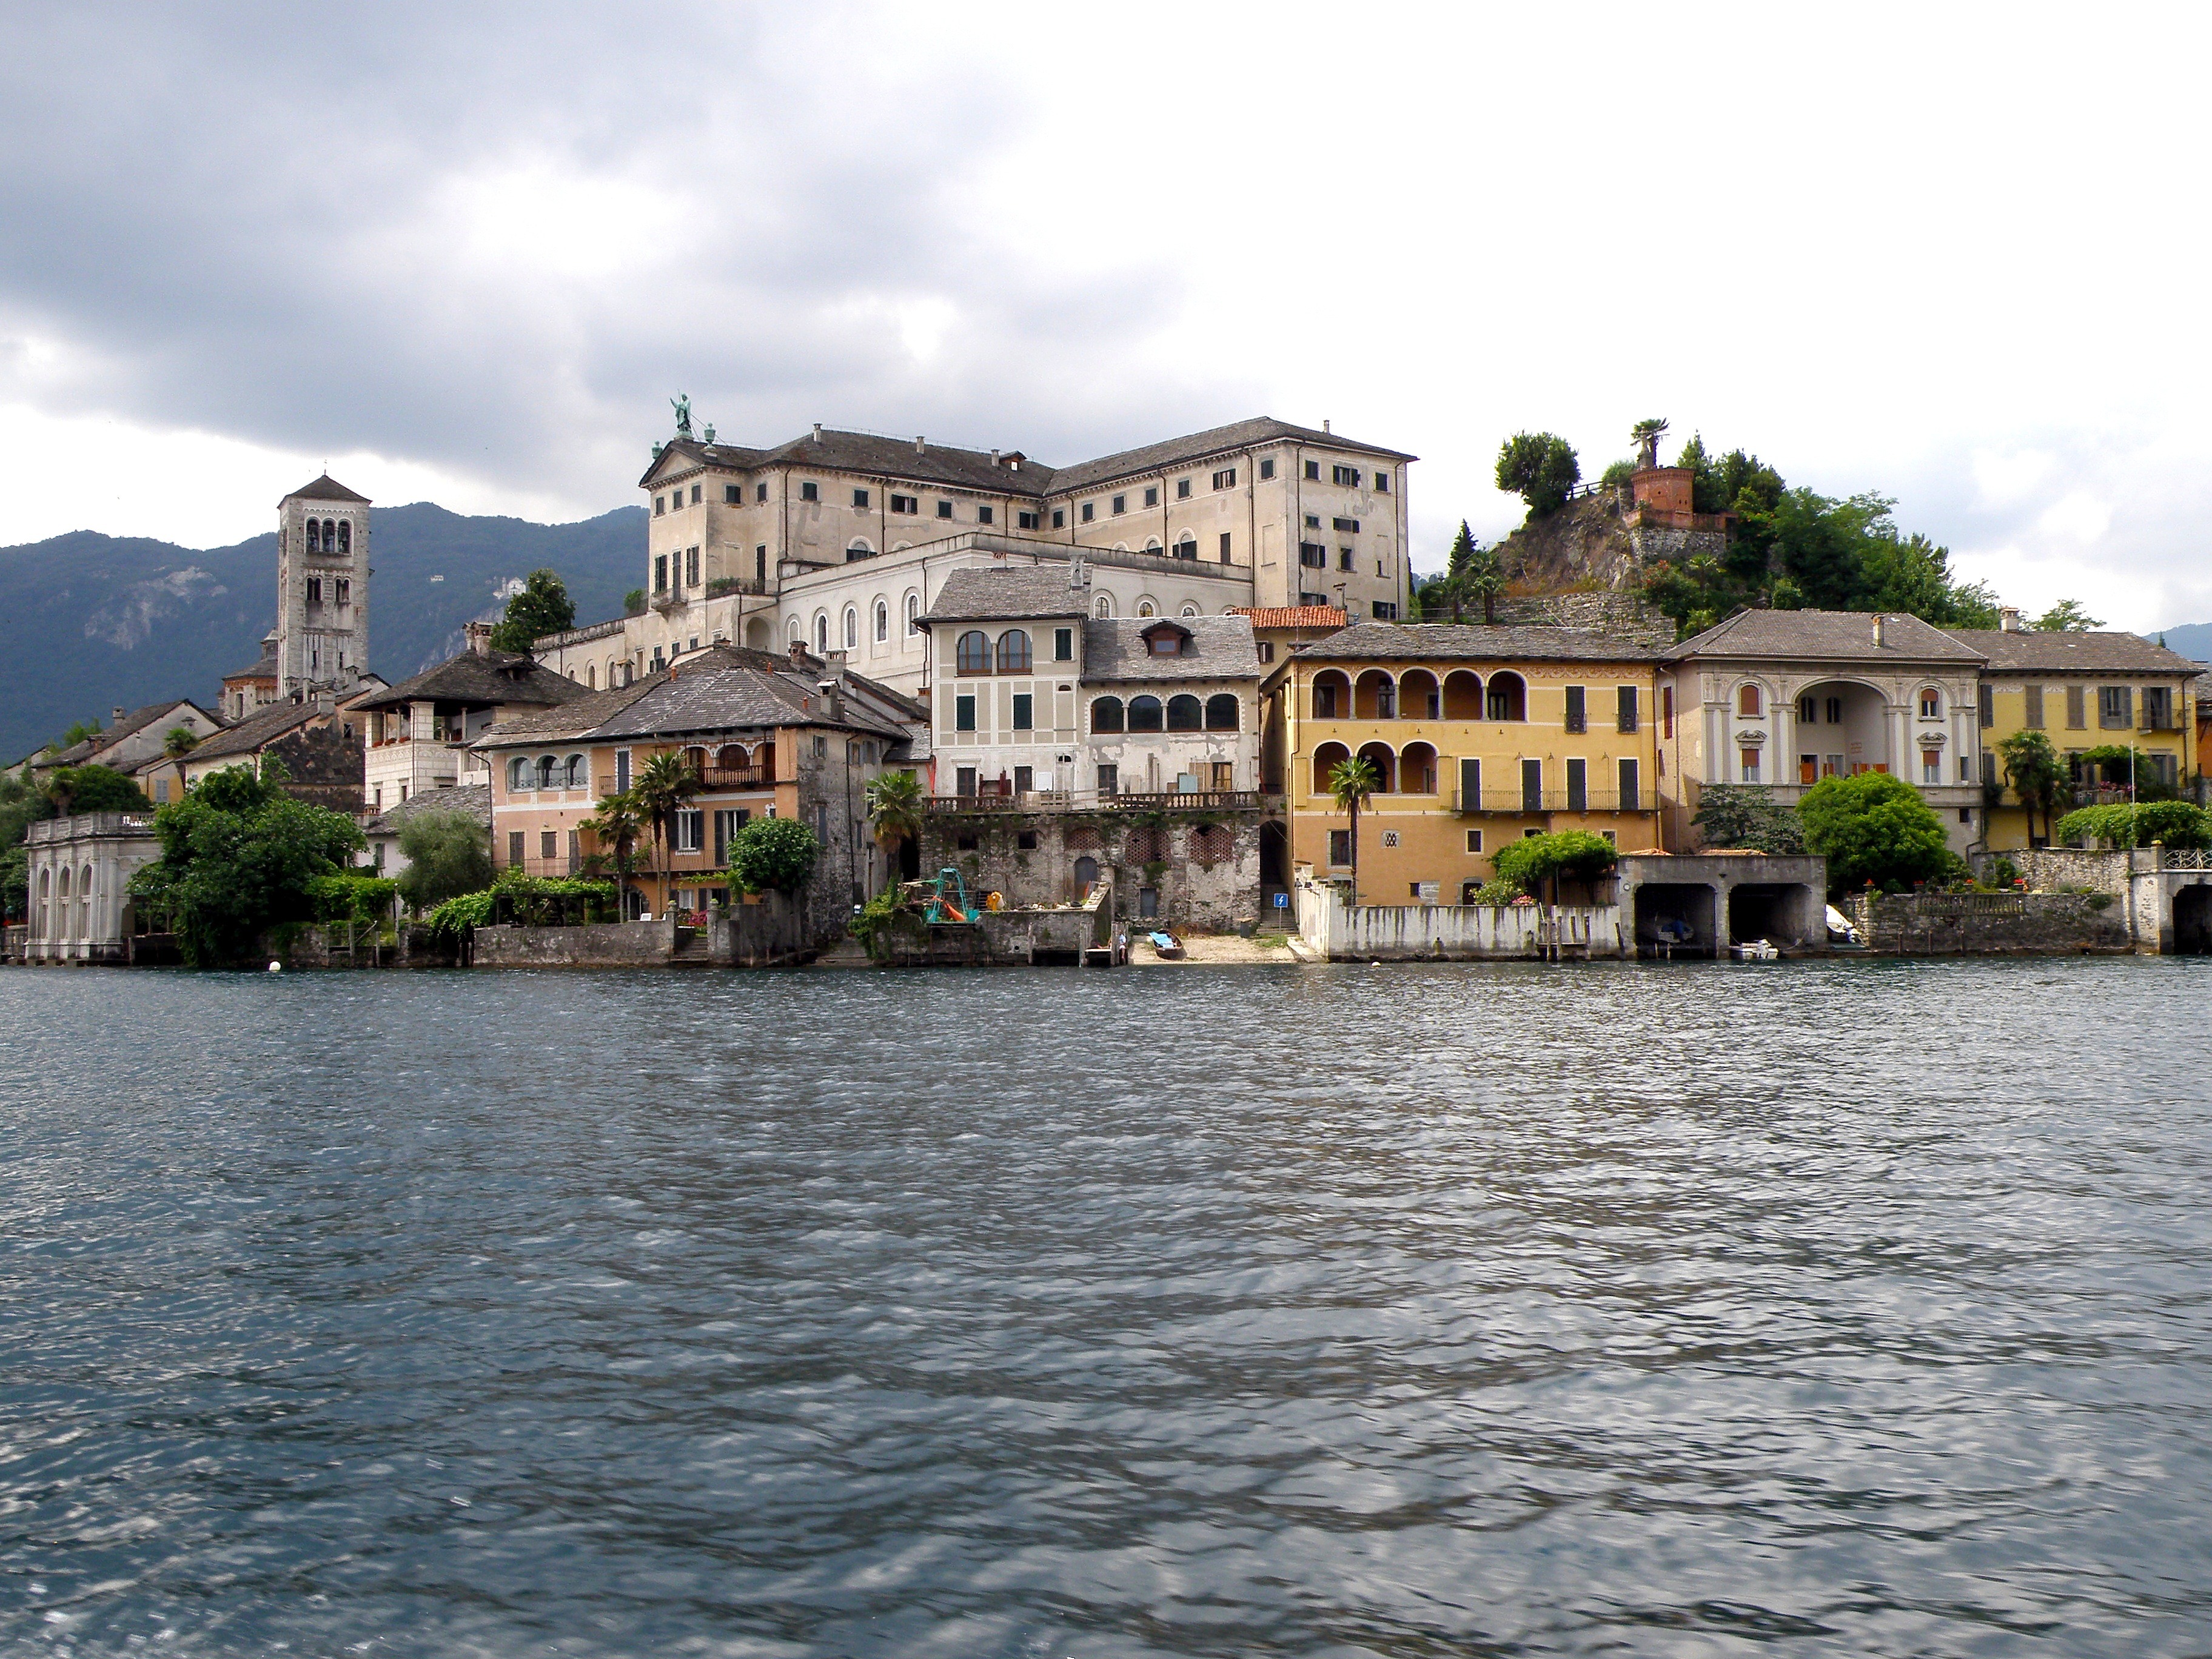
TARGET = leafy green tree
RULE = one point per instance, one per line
(543, 607)
(2068, 616)
(1574, 854)
(94, 789)
(662, 786)
(1352, 781)
(633, 603)
(1748, 815)
(2119, 766)
(2037, 774)
(774, 855)
(1540, 468)
(895, 808)
(76, 734)
(1875, 828)
(21, 806)
(617, 826)
(447, 853)
(239, 857)
(177, 743)
(2125, 824)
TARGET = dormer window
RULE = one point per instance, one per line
(1166, 640)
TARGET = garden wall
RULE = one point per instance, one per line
(1991, 924)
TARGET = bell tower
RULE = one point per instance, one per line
(322, 587)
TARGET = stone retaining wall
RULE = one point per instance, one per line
(1991, 924)
(1204, 865)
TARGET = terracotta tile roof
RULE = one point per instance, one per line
(1292, 615)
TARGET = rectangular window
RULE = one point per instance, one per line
(1344, 558)
(1748, 760)
(691, 566)
(860, 498)
(760, 566)
(2035, 708)
(1225, 545)
(963, 781)
(1966, 769)
(1340, 847)
(1313, 471)
(1313, 556)
(1059, 518)
(515, 845)
(983, 514)
(161, 793)
(1325, 701)
(1532, 786)
(690, 829)
(964, 712)
(1474, 841)
(760, 492)
(1988, 705)
(944, 509)
(1109, 781)
(1120, 505)
(1268, 468)
(1346, 476)
(547, 841)
(1225, 479)
(1223, 778)
(1267, 649)
(1631, 786)
(659, 506)
(1313, 521)
(1470, 784)
(809, 491)
(1063, 645)
(730, 495)
(1931, 766)
(1025, 521)
(1344, 527)
(2077, 719)
(694, 494)
(822, 823)
(1151, 495)
(660, 573)
(1627, 715)
(2157, 700)
(622, 771)
(1667, 711)
(1578, 709)
(1025, 778)
(315, 590)
(1090, 511)
(727, 822)
(2115, 710)
(1386, 610)
(1989, 766)
(1022, 704)
(1808, 710)
(1183, 490)
(1577, 784)
(1381, 483)
(1808, 768)
(1835, 711)
(905, 504)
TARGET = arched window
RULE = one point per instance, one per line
(914, 613)
(972, 655)
(1153, 545)
(1931, 703)
(1103, 606)
(1385, 763)
(1221, 710)
(1013, 652)
(64, 891)
(1187, 547)
(822, 633)
(1419, 697)
(1375, 697)
(798, 630)
(592, 678)
(1105, 715)
(695, 761)
(1747, 702)
(1146, 715)
(519, 775)
(852, 628)
(345, 538)
(1327, 759)
(548, 772)
(314, 535)
(1144, 608)
(579, 770)
(1416, 770)
(1189, 609)
(330, 536)
(730, 757)
(1331, 696)
(859, 550)
(1507, 698)
(883, 622)
(1186, 713)
(1086, 875)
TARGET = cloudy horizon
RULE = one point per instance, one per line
(1944, 256)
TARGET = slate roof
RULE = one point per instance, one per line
(1475, 642)
(325, 488)
(2072, 652)
(974, 469)
(482, 679)
(257, 730)
(1219, 648)
(980, 593)
(136, 720)
(473, 799)
(1198, 445)
(1826, 634)
(1292, 615)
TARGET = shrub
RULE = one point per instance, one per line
(2176, 823)
(1574, 854)
(1748, 815)
(447, 854)
(774, 855)
(1875, 828)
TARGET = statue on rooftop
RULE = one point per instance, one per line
(681, 404)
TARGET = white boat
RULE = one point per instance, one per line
(1755, 950)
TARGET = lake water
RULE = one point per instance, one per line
(1854, 1308)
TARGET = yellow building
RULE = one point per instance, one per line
(1480, 735)
(2086, 692)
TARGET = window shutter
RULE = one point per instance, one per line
(1532, 786)
(1577, 785)
(1578, 709)
(2035, 708)
(1625, 710)
(2077, 717)
(1470, 783)
(1631, 799)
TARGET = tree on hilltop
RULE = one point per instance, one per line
(542, 607)
(1540, 468)
(2068, 616)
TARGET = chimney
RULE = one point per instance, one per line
(115, 717)
(2009, 619)
(1079, 574)
(478, 636)
(798, 653)
(994, 458)
(817, 432)
(833, 691)
(1324, 424)
(919, 446)
(1877, 628)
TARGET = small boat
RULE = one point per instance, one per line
(1167, 944)
(1756, 950)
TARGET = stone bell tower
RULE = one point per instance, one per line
(322, 587)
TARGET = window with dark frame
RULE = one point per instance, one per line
(1120, 505)
(1059, 518)
(1183, 490)
(1225, 479)
(1347, 476)
(1268, 468)
(1225, 545)
(1313, 471)
(810, 491)
(1627, 715)
(944, 509)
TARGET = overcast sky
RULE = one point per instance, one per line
(467, 253)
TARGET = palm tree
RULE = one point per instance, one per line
(895, 806)
(1351, 782)
(618, 824)
(177, 742)
(664, 784)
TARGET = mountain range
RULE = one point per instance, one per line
(132, 620)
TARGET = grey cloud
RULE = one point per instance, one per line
(231, 218)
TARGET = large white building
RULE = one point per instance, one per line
(844, 540)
